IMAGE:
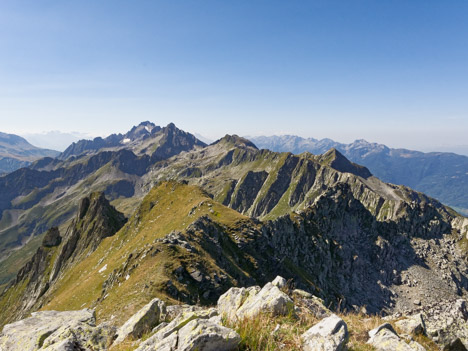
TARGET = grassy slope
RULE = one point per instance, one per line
(165, 209)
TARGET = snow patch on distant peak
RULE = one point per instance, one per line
(148, 129)
(126, 141)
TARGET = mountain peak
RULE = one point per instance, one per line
(235, 140)
(338, 161)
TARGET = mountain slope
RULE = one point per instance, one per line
(46, 194)
(205, 218)
(95, 220)
(439, 174)
(182, 246)
(16, 152)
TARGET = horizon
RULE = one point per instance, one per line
(47, 138)
(392, 73)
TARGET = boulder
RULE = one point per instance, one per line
(385, 338)
(412, 325)
(142, 321)
(54, 330)
(172, 311)
(330, 334)
(237, 304)
(80, 336)
(52, 238)
(206, 335)
(280, 282)
(311, 304)
(198, 330)
(232, 300)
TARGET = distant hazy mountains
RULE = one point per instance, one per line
(16, 152)
(441, 175)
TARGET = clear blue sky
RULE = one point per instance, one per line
(389, 71)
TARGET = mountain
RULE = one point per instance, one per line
(205, 218)
(46, 193)
(441, 175)
(16, 152)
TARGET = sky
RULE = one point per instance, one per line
(388, 71)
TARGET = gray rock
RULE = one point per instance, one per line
(447, 325)
(237, 304)
(280, 282)
(142, 321)
(413, 325)
(52, 238)
(330, 334)
(64, 345)
(310, 304)
(193, 331)
(159, 338)
(232, 300)
(385, 338)
(205, 335)
(52, 330)
(81, 336)
(302, 293)
(174, 311)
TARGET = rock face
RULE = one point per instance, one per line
(430, 173)
(330, 334)
(238, 304)
(51, 330)
(143, 321)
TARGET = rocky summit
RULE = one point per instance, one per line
(152, 240)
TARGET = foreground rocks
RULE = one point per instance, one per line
(143, 321)
(328, 335)
(190, 328)
(238, 304)
(51, 330)
(385, 338)
(192, 331)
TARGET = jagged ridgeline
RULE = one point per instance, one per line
(206, 218)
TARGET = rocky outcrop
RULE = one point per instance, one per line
(52, 238)
(195, 330)
(143, 321)
(330, 334)
(413, 325)
(385, 338)
(238, 304)
(96, 219)
(51, 330)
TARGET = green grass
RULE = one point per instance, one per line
(165, 209)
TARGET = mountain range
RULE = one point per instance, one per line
(112, 223)
(17, 152)
(442, 175)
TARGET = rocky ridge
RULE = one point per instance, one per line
(442, 175)
(181, 245)
(184, 327)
